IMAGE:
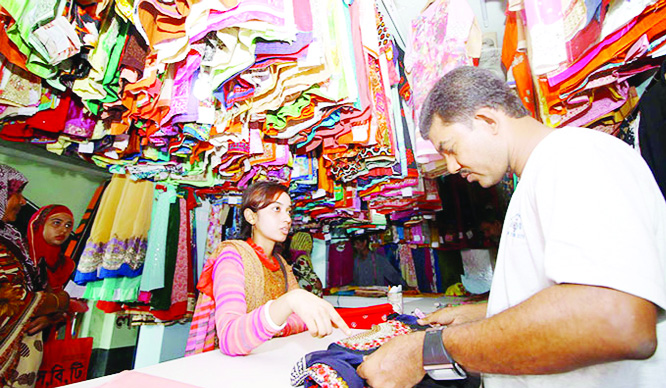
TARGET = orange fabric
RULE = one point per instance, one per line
(523, 76)
(8, 48)
(510, 43)
(652, 22)
(325, 182)
(164, 24)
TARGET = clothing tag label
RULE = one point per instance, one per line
(87, 147)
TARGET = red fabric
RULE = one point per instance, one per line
(65, 361)
(40, 249)
(365, 317)
(269, 262)
(51, 120)
(109, 307)
(205, 283)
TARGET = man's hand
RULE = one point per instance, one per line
(398, 363)
(456, 315)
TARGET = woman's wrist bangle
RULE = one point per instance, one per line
(57, 301)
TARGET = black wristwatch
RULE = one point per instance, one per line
(436, 360)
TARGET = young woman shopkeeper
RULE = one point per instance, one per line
(248, 294)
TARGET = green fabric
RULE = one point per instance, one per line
(111, 80)
(161, 298)
(29, 16)
(91, 88)
(278, 118)
(122, 289)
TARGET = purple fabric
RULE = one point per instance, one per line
(278, 48)
(340, 265)
(184, 77)
(604, 102)
(191, 114)
(79, 123)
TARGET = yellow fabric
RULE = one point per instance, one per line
(123, 217)
(124, 211)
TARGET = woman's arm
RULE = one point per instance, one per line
(238, 331)
(53, 302)
(294, 323)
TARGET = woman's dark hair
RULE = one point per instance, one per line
(256, 197)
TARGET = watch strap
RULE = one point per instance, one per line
(436, 360)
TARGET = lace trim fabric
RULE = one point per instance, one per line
(375, 337)
(111, 255)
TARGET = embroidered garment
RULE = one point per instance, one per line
(438, 39)
(336, 366)
(118, 239)
(407, 265)
(235, 291)
(52, 262)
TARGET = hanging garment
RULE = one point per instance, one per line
(340, 264)
(439, 36)
(161, 297)
(78, 239)
(652, 128)
(407, 265)
(118, 239)
(301, 249)
(153, 273)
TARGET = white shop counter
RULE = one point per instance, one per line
(268, 365)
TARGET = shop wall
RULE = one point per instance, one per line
(54, 179)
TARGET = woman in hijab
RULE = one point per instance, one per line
(23, 299)
(49, 228)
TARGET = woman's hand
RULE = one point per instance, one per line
(53, 302)
(456, 315)
(38, 324)
(318, 315)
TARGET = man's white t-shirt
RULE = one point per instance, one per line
(587, 210)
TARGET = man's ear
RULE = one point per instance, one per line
(487, 118)
(249, 216)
